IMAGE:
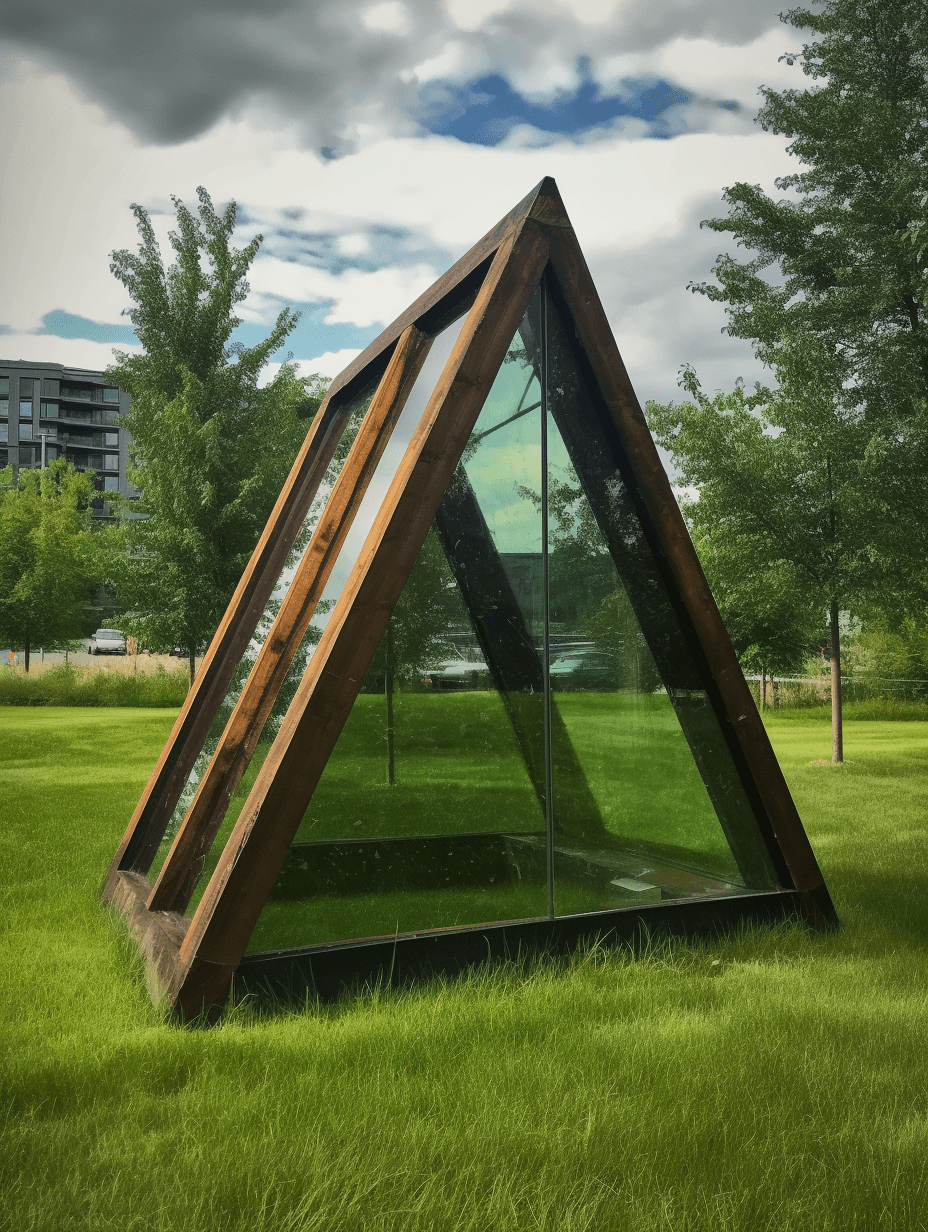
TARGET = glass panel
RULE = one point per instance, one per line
(25, 431)
(110, 395)
(50, 410)
(4, 407)
(111, 440)
(4, 384)
(430, 812)
(110, 483)
(637, 739)
(393, 453)
(25, 410)
(4, 432)
(111, 462)
(50, 387)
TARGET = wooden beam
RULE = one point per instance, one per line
(627, 418)
(445, 287)
(201, 705)
(232, 902)
(175, 883)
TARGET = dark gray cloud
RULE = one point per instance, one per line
(169, 70)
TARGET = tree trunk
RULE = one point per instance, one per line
(837, 734)
(192, 660)
(26, 653)
(763, 687)
(388, 690)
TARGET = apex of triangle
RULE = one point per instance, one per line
(547, 206)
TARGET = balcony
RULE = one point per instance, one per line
(82, 440)
(106, 416)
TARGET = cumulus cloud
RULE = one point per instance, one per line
(347, 70)
(360, 236)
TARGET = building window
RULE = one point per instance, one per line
(4, 432)
(110, 395)
(4, 457)
(4, 407)
(4, 384)
(25, 410)
(49, 410)
(25, 455)
(110, 483)
(50, 387)
(50, 431)
(111, 462)
(26, 387)
(25, 431)
(111, 440)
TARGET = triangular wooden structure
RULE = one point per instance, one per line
(623, 781)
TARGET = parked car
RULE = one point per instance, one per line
(107, 641)
(584, 670)
(457, 675)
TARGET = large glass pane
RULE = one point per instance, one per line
(631, 720)
(243, 668)
(430, 812)
(367, 511)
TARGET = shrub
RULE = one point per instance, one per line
(68, 685)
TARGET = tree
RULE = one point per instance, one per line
(429, 608)
(773, 616)
(49, 556)
(777, 498)
(833, 301)
(210, 447)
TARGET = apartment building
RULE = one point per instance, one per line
(50, 411)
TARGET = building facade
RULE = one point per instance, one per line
(50, 411)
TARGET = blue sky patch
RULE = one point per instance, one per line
(68, 325)
(310, 338)
(486, 110)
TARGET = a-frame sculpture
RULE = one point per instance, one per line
(576, 752)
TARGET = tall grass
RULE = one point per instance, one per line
(770, 1081)
(67, 685)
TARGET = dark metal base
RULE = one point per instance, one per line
(329, 971)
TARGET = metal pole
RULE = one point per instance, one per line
(44, 436)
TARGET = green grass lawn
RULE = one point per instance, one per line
(769, 1081)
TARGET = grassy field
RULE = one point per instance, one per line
(769, 1081)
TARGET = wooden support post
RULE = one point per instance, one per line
(232, 902)
(175, 884)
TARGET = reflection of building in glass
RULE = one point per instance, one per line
(50, 411)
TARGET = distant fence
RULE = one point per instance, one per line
(807, 692)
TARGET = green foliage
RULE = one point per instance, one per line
(211, 447)
(49, 557)
(771, 614)
(67, 685)
(428, 609)
(834, 298)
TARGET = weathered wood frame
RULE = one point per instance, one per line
(193, 962)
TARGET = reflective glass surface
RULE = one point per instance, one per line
(430, 813)
(632, 724)
(383, 475)
(536, 735)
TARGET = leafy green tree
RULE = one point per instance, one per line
(780, 501)
(416, 639)
(211, 447)
(832, 299)
(49, 556)
(773, 617)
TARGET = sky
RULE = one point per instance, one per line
(372, 144)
